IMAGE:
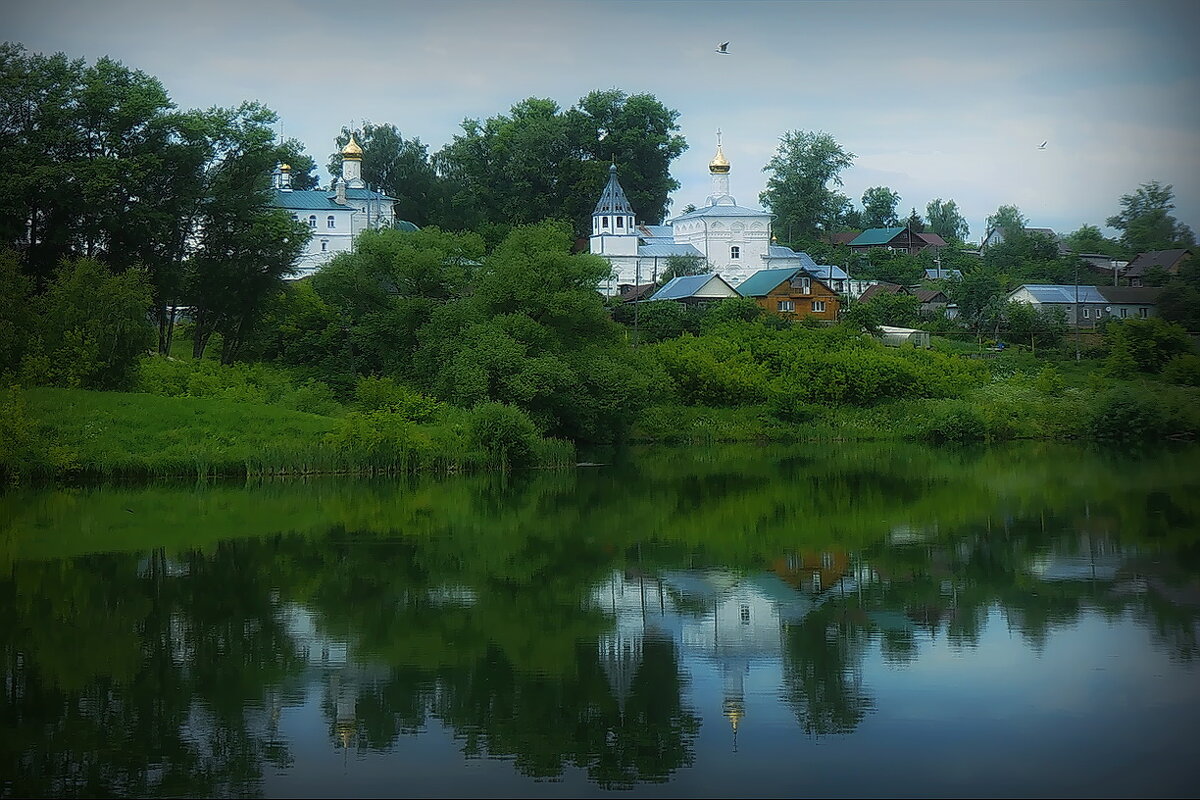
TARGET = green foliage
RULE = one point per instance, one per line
(1119, 363)
(27, 448)
(1089, 239)
(879, 207)
(946, 221)
(1180, 298)
(398, 167)
(384, 394)
(17, 321)
(955, 421)
(245, 383)
(798, 189)
(1027, 325)
(539, 162)
(505, 434)
(92, 328)
(1008, 220)
(1183, 370)
(1150, 343)
(662, 319)
(679, 266)
(1146, 223)
(902, 310)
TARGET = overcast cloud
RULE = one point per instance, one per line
(937, 99)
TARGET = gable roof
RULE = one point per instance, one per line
(306, 200)
(931, 295)
(630, 293)
(1155, 259)
(875, 236)
(687, 286)
(1130, 295)
(762, 282)
(877, 289)
(1060, 293)
(931, 239)
(934, 274)
(721, 211)
(845, 237)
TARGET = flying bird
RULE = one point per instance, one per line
(723, 49)
(1042, 146)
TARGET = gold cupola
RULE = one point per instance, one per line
(352, 150)
(720, 164)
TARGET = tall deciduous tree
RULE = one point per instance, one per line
(395, 166)
(1089, 239)
(879, 207)
(946, 221)
(304, 167)
(1146, 223)
(1009, 221)
(805, 167)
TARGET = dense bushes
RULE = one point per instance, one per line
(250, 383)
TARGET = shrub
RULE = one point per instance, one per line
(25, 447)
(504, 433)
(378, 394)
(1125, 414)
(382, 439)
(1183, 370)
(955, 421)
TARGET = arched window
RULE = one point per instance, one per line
(604, 222)
(735, 252)
(620, 222)
(329, 221)
(312, 221)
(324, 244)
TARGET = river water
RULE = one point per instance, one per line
(727, 621)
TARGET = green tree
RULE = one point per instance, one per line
(92, 327)
(879, 207)
(1151, 343)
(1009, 221)
(1089, 239)
(915, 223)
(902, 310)
(1180, 298)
(303, 166)
(1146, 223)
(397, 167)
(946, 221)
(17, 320)
(977, 294)
(801, 172)
(678, 266)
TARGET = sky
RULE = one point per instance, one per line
(937, 99)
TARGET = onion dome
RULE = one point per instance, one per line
(720, 164)
(352, 150)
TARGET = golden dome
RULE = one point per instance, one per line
(352, 150)
(719, 164)
(285, 167)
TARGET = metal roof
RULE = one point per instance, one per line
(876, 236)
(1060, 293)
(721, 211)
(657, 231)
(613, 199)
(934, 273)
(667, 249)
(762, 282)
(686, 286)
(366, 194)
(305, 200)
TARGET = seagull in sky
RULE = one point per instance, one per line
(723, 49)
(1042, 146)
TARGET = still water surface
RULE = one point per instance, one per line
(733, 621)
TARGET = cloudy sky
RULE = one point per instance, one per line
(944, 98)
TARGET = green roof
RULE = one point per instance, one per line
(876, 236)
(762, 282)
(405, 225)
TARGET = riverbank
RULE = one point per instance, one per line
(59, 433)
(55, 433)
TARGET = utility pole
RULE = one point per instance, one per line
(1076, 309)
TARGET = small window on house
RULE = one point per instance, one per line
(735, 252)
(620, 222)
(818, 306)
(312, 221)
(1087, 313)
(604, 222)
(324, 245)
(826, 560)
(1143, 312)
(1124, 313)
(805, 286)
(787, 305)
(745, 614)
(329, 221)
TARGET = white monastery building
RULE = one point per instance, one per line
(335, 215)
(734, 240)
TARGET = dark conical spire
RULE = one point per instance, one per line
(613, 199)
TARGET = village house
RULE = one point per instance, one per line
(695, 289)
(902, 239)
(792, 293)
(1164, 261)
(1094, 303)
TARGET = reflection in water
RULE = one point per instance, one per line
(622, 628)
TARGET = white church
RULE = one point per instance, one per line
(335, 215)
(735, 240)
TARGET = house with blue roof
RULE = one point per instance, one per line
(1085, 306)
(793, 292)
(336, 215)
(694, 289)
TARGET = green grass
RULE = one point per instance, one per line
(118, 434)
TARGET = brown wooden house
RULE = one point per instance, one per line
(792, 293)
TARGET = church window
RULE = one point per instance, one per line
(312, 221)
(745, 614)
(818, 306)
(620, 222)
(735, 252)
(329, 221)
(324, 246)
(604, 222)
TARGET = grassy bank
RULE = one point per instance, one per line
(69, 432)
